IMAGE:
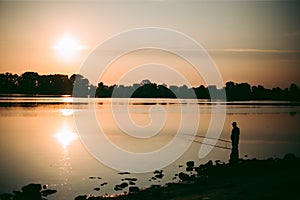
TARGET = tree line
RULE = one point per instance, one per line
(31, 83)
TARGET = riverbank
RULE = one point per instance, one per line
(246, 179)
(271, 178)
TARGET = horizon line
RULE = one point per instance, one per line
(168, 85)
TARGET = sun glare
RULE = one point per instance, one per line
(65, 137)
(68, 46)
(67, 112)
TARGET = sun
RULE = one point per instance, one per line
(68, 46)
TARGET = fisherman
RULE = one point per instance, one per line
(235, 136)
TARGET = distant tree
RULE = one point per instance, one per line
(28, 83)
(277, 93)
(73, 78)
(81, 85)
(122, 91)
(230, 90)
(103, 90)
(243, 91)
(165, 92)
(145, 82)
(92, 91)
(185, 93)
(259, 92)
(174, 89)
(294, 92)
(235, 91)
(54, 84)
(147, 90)
(202, 92)
(32, 83)
(8, 83)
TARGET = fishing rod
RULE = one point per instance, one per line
(221, 147)
(218, 139)
(201, 136)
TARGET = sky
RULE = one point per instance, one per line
(249, 41)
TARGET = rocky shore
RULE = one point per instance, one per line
(271, 178)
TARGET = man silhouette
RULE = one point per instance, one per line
(235, 136)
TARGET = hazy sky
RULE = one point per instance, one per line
(250, 41)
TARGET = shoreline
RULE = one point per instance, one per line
(272, 178)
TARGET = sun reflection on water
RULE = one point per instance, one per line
(67, 99)
(67, 112)
(65, 137)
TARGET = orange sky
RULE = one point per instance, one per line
(255, 42)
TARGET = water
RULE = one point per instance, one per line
(39, 140)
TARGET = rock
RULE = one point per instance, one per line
(130, 179)
(190, 164)
(131, 183)
(208, 164)
(197, 169)
(134, 189)
(270, 159)
(180, 166)
(48, 192)
(155, 186)
(6, 196)
(94, 198)
(159, 176)
(184, 177)
(158, 172)
(189, 169)
(123, 173)
(28, 192)
(205, 166)
(17, 192)
(32, 188)
(116, 188)
(31, 191)
(289, 157)
(97, 189)
(102, 184)
(219, 162)
(123, 185)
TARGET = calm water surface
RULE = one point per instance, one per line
(39, 140)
